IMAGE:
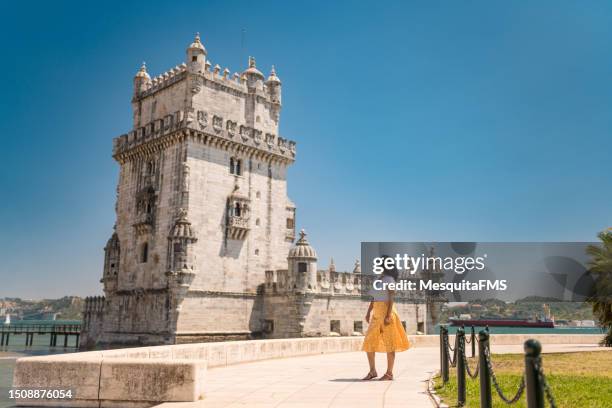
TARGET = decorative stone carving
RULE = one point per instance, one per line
(217, 123)
(196, 84)
(185, 177)
(202, 119)
(270, 139)
(257, 136)
(230, 126)
(245, 132)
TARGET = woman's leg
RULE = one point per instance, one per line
(390, 362)
(372, 362)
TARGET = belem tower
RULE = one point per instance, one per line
(203, 247)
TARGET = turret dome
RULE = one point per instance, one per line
(142, 72)
(197, 44)
(182, 227)
(302, 248)
(252, 69)
(273, 78)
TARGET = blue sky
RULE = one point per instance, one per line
(477, 120)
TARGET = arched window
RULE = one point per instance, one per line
(144, 252)
(237, 210)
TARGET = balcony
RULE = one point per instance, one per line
(143, 223)
(237, 227)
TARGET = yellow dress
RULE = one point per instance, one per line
(385, 338)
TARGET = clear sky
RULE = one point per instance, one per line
(471, 120)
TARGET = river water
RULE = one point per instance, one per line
(17, 348)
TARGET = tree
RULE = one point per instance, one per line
(601, 269)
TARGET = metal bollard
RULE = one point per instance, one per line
(533, 385)
(484, 374)
(460, 335)
(441, 349)
(473, 343)
(443, 354)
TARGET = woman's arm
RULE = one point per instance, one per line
(369, 312)
(389, 306)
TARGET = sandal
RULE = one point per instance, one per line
(386, 377)
(370, 376)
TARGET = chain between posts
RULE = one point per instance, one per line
(542, 378)
(533, 381)
(453, 361)
(474, 374)
(498, 389)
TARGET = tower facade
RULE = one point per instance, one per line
(202, 248)
(202, 207)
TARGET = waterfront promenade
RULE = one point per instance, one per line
(332, 381)
(301, 372)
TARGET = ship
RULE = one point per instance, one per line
(547, 321)
(503, 323)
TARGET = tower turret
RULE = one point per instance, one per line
(196, 55)
(253, 76)
(142, 80)
(112, 253)
(302, 262)
(273, 84)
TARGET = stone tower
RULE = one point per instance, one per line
(202, 210)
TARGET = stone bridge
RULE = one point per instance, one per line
(305, 372)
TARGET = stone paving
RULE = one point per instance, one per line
(331, 381)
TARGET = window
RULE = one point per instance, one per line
(237, 210)
(421, 327)
(290, 223)
(257, 222)
(235, 166)
(194, 58)
(258, 194)
(257, 252)
(358, 326)
(268, 326)
(144, 252)
(334, 326)
(302, 267)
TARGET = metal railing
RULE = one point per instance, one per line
(533, 382)
(29, 330)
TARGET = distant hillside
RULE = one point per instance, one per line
(66, 308)
(527, 308)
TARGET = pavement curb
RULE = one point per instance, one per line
(435, 398)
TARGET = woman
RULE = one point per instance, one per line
(385, 331)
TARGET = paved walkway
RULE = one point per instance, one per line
(331, 381)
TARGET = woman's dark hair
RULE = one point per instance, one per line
(392, 272)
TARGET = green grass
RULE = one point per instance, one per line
(578, 380)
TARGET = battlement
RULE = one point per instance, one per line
(220, 130)
(329, 282)
(94, 304)
(246, 97)
(235, 82)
